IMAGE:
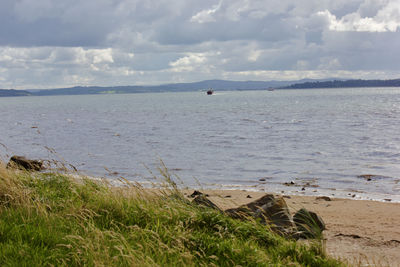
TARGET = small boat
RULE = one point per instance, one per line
(210, 91)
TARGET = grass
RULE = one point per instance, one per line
(50, 219)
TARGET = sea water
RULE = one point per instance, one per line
(315, 141)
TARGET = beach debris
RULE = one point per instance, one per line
(348, 235)
(308, 224)
(308, 184)
(202, 200)
(303, 189)
(268, 210)
(228, 196)
(289, 183)
(248, 196)
(323, 198)
(262, 180)
(22, 163)
(388, 199)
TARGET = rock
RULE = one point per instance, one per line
(248, 196)
(308, 224)
(268, 210)
(196, 193)
(204, 201)
(289, 183)
(323, 198)
(23, 163)
(370, 177)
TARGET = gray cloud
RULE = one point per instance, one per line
(49, 43)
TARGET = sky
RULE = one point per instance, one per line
(53, 43)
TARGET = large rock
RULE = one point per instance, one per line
(268, 210)
(23, 163)
(308, 224)
(202, 200)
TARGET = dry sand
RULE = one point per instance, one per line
(362, 232)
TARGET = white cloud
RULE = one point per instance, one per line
(206, 15)
(188, 62)
(329, 63)
(254, 55)
(387, 19)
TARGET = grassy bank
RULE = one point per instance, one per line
(52, 219)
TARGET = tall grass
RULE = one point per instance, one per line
(50, 219)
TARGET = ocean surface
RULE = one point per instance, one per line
(313, 142)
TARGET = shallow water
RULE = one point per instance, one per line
(321, 139)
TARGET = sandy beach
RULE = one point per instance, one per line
(361, 232)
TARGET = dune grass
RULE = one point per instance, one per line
(50, 219)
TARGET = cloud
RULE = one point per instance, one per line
(377, 18)
(206, 15)
(189, 62)
(49, 43)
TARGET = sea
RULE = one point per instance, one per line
(335, 142)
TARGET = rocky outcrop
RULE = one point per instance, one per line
(274, 212)
(202, 200)
(308, 224)
(268, 210)
(22, 163)
(197, 193)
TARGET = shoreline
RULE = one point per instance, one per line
(265, 187)
(361, 232)
(311, 192)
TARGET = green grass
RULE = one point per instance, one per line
(52, 220)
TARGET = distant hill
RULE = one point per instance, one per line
(344, 84)
(217, 85)
(12, 92)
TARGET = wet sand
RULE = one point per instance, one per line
(362, 232)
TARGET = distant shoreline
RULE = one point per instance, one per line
(217, 85)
